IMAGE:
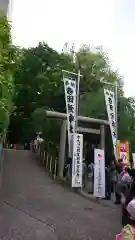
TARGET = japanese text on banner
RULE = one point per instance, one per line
(70, 97)
(110, 105)
(77, 161)
(99, 173)
(123, 152)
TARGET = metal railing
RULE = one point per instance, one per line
(47, 160)
(50, 163)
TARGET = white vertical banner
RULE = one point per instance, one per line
(133, 156)
(70, 97)
(99, 173)
(110, 105)
(77, 161)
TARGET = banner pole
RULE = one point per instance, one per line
(77, 99)
(116, 116)
(116, 110)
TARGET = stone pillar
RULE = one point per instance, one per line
(102, 137)
(62, 148)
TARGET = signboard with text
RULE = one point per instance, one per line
(77, 161)
(123, 151)
(99, 173)
(70, 97)
(111, 111)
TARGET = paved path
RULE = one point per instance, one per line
(33, 207)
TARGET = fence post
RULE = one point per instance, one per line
(50, 164)
(43, 157)
(40, 154)
(46, 160)
(55, 168)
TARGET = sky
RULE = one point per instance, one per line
(110, 23)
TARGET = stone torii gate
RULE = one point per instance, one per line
(100, 131)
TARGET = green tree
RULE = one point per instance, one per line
(6, 78)
(39, 86)
(93, 105)
(94, 66)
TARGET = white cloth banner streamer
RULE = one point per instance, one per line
(99, 173)
(133, 155)
(110, 105)
(70, 98)
(77, 161)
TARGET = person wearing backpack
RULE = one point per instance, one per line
(128, 231)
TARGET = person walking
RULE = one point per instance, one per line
(107, 183)
(128, 231)
(84, 174)
(118, 171)
(130, 196)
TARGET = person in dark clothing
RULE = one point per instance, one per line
(90, 156)
(26, 145)
(108, 184)
(117, 193)
(66, 167)
(131, 195)
(125, 215)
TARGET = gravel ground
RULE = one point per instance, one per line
(32, 206)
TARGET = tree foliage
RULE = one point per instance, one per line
(6, 78)
(39, 87)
